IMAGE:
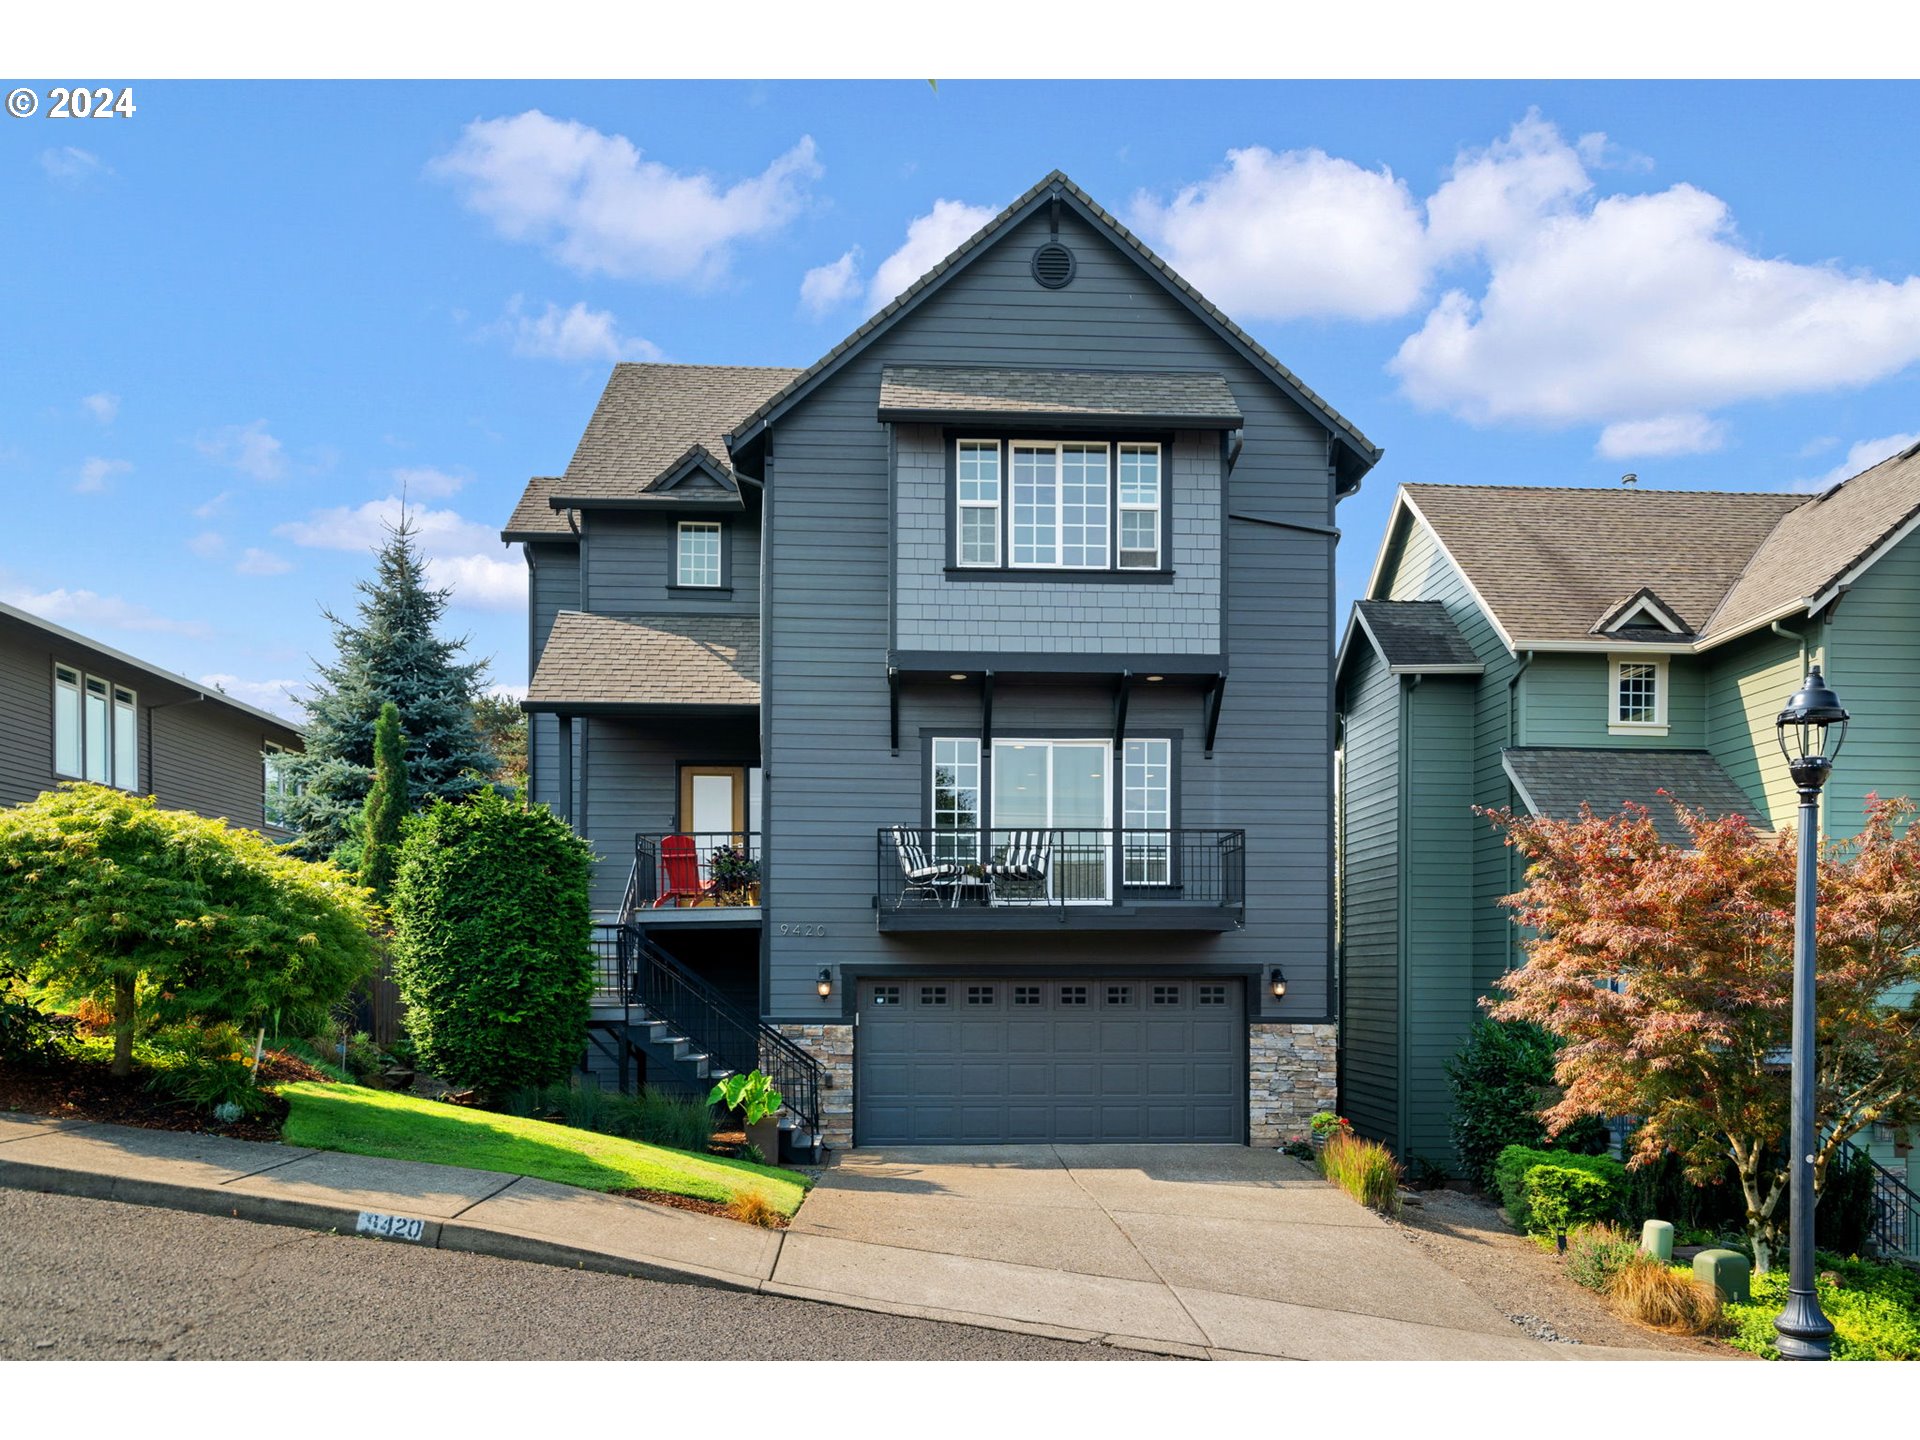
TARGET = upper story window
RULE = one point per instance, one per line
(96, 730)
(277, 787)
(1058, 505)
(1638, 695)
(697, 554)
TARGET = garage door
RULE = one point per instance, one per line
(990, 1060)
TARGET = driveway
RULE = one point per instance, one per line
(1189, 1249)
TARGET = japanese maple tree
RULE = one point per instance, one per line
(1666, 971)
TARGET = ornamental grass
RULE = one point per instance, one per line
(1663, 1298)
(1365, 1169)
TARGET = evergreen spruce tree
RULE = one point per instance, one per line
(386, 803)
(387, 652)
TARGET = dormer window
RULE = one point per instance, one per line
(1059, 505)
(1638, 695)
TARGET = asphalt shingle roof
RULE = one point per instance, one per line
(1414, 634)
(931, 391)
(1557, 782)
(1552, 561)
(642, 660)
(534, 516)
(650, 416)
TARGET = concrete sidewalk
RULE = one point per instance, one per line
(862, 1240)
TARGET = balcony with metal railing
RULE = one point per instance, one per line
(1034, 879)
(692, 877)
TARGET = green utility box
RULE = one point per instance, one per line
(1656, 1239)
(1726, 1270)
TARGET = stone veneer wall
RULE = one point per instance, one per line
(832, 1046)
(1290, 1076)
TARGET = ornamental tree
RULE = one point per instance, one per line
(105, 896)
(386, 804)
(1666, 971)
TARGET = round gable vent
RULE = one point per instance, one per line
(1053, 265)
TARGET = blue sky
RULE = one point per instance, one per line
(241, 320)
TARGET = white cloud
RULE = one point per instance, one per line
(482, 582)
(88, 609)
(248, 449)
(70, 165)
(508, 692)
(427, 483)
(282, 697)
(1682, 434)
(1280, 236)
(598, 206)
(1861, 455)
(574, 334)
(1497, 197)
(364, 527)
(212, 507)
(930, 239)
(208, 544)
(255, 561)
(95, 472)
(101, 406)
(827, 287)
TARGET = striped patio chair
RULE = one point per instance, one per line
(1026, 860)
(923, 876)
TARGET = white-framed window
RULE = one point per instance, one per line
(1139, 506)
(1146, 811)
(276, 787)
(956, 799)
(977, 487)
(697, 553)
(1061, 493)
(1637, 695)
(96, 729)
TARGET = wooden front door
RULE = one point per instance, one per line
(713, 800)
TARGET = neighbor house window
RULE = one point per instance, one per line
(698, 553)
(1638, 695)
(277, 785)
(978, 481)
(96, 730)
(1139, 507)
(1059, 505)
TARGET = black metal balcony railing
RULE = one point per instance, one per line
(695, 868)
(1896, 1215)
(1013, 870)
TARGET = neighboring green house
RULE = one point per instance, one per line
(1542, 647)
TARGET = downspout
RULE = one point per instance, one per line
(1513, 739)
(1402, 1130)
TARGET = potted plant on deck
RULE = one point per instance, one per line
(734, 876)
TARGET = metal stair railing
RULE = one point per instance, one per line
(657, 983)
(1896, 1214)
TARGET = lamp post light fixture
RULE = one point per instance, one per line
(1810, 731)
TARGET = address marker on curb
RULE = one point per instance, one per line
(390, 1227)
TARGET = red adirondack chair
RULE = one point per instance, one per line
(679, 871)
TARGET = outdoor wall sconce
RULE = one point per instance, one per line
(1279, 983)
(825, 986)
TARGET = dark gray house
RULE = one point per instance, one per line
(952, 716)
(74, 709)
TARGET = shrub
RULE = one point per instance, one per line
(1875, 1310)
(492, 941)
(28, 1035)
(1664, 1298)
(1559, 1197)
(1365, 1169)
(1843, 1220)
(1510, 1177)
(208, 1068)
(386, 805)
(106, 897)
(1596, 1252)
(1662, 1190)
(1501, 1079)
(750, 1207)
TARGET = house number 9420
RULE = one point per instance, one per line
(810, 931)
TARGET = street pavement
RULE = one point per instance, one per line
(84, 1279)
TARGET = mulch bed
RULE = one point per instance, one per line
(69, 1088)
(687, 1202)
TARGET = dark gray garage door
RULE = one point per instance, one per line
(986, 1061)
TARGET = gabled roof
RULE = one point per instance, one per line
(1193, 399)
(696, 471)
(1358, 453)
(651, 416)
(1823, 543)
(533, 517)
(604, 663)
(1414, 637)
(1642, 611)
(1545, 561)
(1557, 782)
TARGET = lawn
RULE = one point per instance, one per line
(402, 1127)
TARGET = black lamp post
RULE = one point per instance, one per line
(1810, 731)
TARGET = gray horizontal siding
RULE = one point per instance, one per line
(1370, 902)
(630, 565)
